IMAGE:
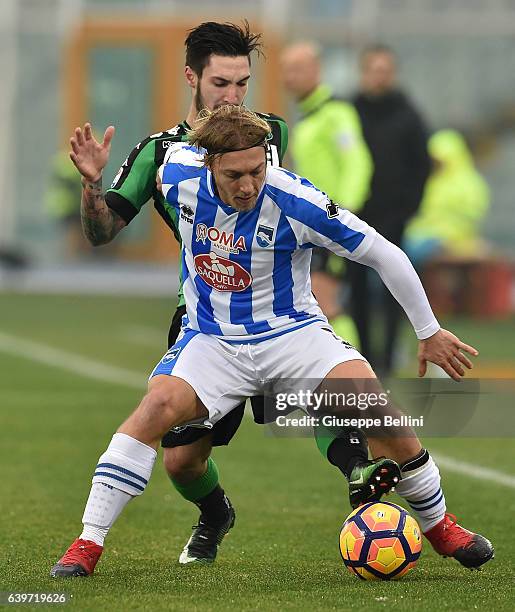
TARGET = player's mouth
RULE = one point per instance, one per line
(243, 200)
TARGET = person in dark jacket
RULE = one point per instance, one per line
(397, 139)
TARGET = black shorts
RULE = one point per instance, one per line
(223, 430)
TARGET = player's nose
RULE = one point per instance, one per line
(231, 95)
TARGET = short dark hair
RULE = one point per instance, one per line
(377, 48)
(225, 39)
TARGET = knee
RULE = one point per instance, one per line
(165, 403)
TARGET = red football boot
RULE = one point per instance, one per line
(451, 540)
(79, 560)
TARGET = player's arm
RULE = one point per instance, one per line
(436, 345)
(319, 221)
(99, 223)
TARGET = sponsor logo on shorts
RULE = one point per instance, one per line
(222, 274)
(264, 236)
(220, 239)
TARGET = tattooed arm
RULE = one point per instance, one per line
(99, 223)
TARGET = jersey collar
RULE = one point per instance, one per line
(319, 96)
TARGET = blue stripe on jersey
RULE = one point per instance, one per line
(316, 218)
(241, 301)
(207, 215)
(245, 340)
(184, 268)
(282, 275)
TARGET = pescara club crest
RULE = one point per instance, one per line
(222, 274)
(264, 236)
(171, 355)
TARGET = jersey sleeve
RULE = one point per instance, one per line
(135, 182)
(279, 141)
(318, 221)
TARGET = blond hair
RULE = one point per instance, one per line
(226, 129)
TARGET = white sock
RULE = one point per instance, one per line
(420, 487)
(103, 507)
(122, 473)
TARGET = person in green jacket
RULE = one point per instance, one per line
(456, 199)
(328, 148)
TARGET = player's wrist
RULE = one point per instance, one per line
(95, 183)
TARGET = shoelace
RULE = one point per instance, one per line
(77, 553)
(460, 536)
(205, 533)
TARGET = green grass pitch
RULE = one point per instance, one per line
(283, 552)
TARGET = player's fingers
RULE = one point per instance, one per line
(468, 349)
(74, 145)
(79, 137)
(448, 369)
(73, 157)
(88, 134)
(422, 367)
(456, 365)
(464, 360)
(108, 135)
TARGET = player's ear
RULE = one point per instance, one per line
(191, 77)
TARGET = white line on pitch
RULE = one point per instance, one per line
(135, 380)
(71, 362)
(143, 336)
(474, 471)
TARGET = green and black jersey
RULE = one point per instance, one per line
(135, 183)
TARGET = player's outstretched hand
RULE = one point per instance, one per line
(445, 350)
(90, 156)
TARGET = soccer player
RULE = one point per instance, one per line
(251, 317)
(217, 72)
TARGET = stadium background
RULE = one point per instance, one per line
(73, 360)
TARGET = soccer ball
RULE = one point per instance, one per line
(380, 541)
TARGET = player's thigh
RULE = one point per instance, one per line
(355, 368)
(310, 352)
(213, 370)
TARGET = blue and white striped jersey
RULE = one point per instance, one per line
(247, 274)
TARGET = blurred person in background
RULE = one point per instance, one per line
(328, 149)
(397, 139)
(456, 199)
(61, 197)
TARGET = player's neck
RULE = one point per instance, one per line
(192, 114)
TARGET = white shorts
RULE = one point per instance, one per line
(223, 375)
